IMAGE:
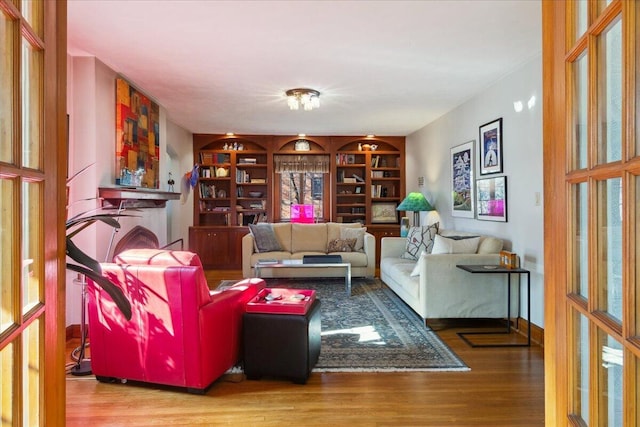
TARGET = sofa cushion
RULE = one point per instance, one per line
(447, 245)
(420, 239)
(335, 228)
(341, 245)
(283, 234)
(264, 238)
(490, 245)
(354, 233)
(309, 238)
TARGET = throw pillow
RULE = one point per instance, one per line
(354, 233)
(446, 245)
(420, 239)
(264, 238)
(341, 245)
(418, 266)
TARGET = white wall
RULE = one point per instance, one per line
(92, 136)
(179, 162)
(428, 155)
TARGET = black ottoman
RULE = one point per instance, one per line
(282, 345)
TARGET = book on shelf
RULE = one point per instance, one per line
(223, 158)
(375, 161)
(206, 158)
(349, 180)
(248, 161)
(358, 178)
(258, 180)
(242, 176)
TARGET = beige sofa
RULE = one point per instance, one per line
(297, 240)
(440, 290)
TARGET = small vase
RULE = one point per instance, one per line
(404, 226)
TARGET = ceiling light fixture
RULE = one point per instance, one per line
(308, 99)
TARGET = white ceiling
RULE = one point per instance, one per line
(382, 67)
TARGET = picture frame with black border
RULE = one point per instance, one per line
(491, 199)
(490, 147)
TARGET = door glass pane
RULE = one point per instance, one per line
(33, 12)
(610, 93)
(7, 241)
(32, 232)
(32, 90)
(610, 375)
(6, 88)
(602, 5)
(610, 247)
(581, 18)
(31, 375)
(581, 367)
(7, 379)
(579, 158)
(581, 241)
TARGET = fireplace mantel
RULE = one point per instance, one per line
(133, 197)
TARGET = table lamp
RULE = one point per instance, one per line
(417, 203)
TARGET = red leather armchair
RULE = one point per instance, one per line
(180, 334)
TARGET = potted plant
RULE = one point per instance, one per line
(85, 264)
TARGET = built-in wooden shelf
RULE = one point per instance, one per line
(134, 197)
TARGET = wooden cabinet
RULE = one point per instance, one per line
(380, 231)
(218, 246)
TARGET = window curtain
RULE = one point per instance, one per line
(301, 163)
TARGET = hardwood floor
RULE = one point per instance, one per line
(505, 387)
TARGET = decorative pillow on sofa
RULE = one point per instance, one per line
(420, 239)
(447, 245)
(354, 233)
(418, 267)
(341, 245)
(264, 238)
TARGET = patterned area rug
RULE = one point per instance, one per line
(373, 330)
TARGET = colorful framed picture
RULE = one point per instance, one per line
(384, 213)
(490, 150)
(491, 194)
(137, 138)
(462, 180)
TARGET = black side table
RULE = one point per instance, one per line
(496, 269)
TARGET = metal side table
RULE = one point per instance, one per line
(496, 269)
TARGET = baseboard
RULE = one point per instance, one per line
(72, 332)
(537, 333)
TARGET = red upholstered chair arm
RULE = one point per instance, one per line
(217, 336)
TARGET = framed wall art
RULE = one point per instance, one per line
(492, 199)
(137, 137)
(490, 150)
(462, 180)
(384, 213)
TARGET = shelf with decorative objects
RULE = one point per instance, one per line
(134, 197)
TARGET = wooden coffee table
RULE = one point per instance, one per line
(297, 263)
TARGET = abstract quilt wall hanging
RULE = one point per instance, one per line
(137, 138)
